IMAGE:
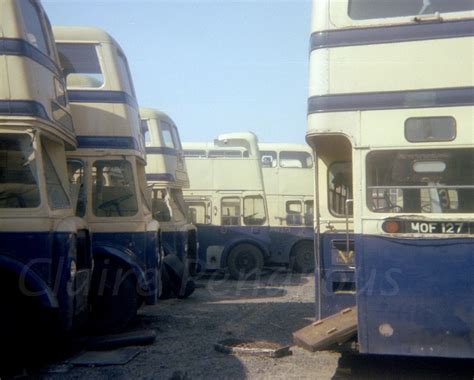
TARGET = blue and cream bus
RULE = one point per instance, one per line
(107, 172)
(45, 256)
(390, 119)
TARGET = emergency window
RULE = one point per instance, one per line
(268, 159)
(230, 211)
(294, 210)
(33, 25)
(430, 129)
(198, 213)
(254, 211)
(19, 186)
(296, 160)
(81, 66)
(78, 191)
(113, 189)
(421, 181)
(369, 9)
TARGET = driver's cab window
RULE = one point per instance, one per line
(340, 188)
(75, 170)
(113, 189)
(161, 206)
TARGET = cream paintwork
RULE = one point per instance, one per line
(161, 163)
(115, 119)
(415, 65)
(286, 184)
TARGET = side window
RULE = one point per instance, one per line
(34, 28)
(194, 153)
(81, 66)
(145, 132)
(198, 213)
(57, 196)
(176, 138)
(308, 213)
(75, 170)
(294, 209)
(268, 159)
(113, 189)
(230, 211)
(340, 188)
(167, 135)
(296, 160)
(254, 211)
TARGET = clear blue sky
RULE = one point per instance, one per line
(214, 66)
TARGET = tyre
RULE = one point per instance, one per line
(245, 262)
(302, 257)
(114, 298)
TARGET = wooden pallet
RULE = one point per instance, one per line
(326, 332)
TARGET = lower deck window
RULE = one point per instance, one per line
(18, 172)
(230, 211)
(254, 211)
(198, 213)
(421, 181)
(113, 189)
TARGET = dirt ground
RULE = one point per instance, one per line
(269, 309)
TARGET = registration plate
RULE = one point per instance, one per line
(451, 228)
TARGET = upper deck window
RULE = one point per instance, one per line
(80, 63)
(296, 160)
(421, 181)
(194, 153)
(268, 159)
(35, 29)
(167, 135)
(18, 172)
(430, 129)
(145, 132)
(370, 9)
(225, 153)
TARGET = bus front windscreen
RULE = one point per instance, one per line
(370, 9)
(18, 172)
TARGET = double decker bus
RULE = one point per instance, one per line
(390, 119)
(45, 256)
(107, 172)
(287, 171)
(167, 176)
(226, 201)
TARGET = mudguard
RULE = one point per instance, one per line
(30, 281)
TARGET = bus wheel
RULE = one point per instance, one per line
(114, 299)
(302, 257)
(245, 262)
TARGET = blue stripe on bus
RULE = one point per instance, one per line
(391, 34)
(161, 150)
(23, 108)
(160, 177)
(18, 47)
(107, 142)
(442, 97)
(98, 96)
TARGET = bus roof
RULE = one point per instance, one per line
(285, 147)
(84, 34)
(153, 113)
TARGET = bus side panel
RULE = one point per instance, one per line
(174, 242)
(415, 297)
